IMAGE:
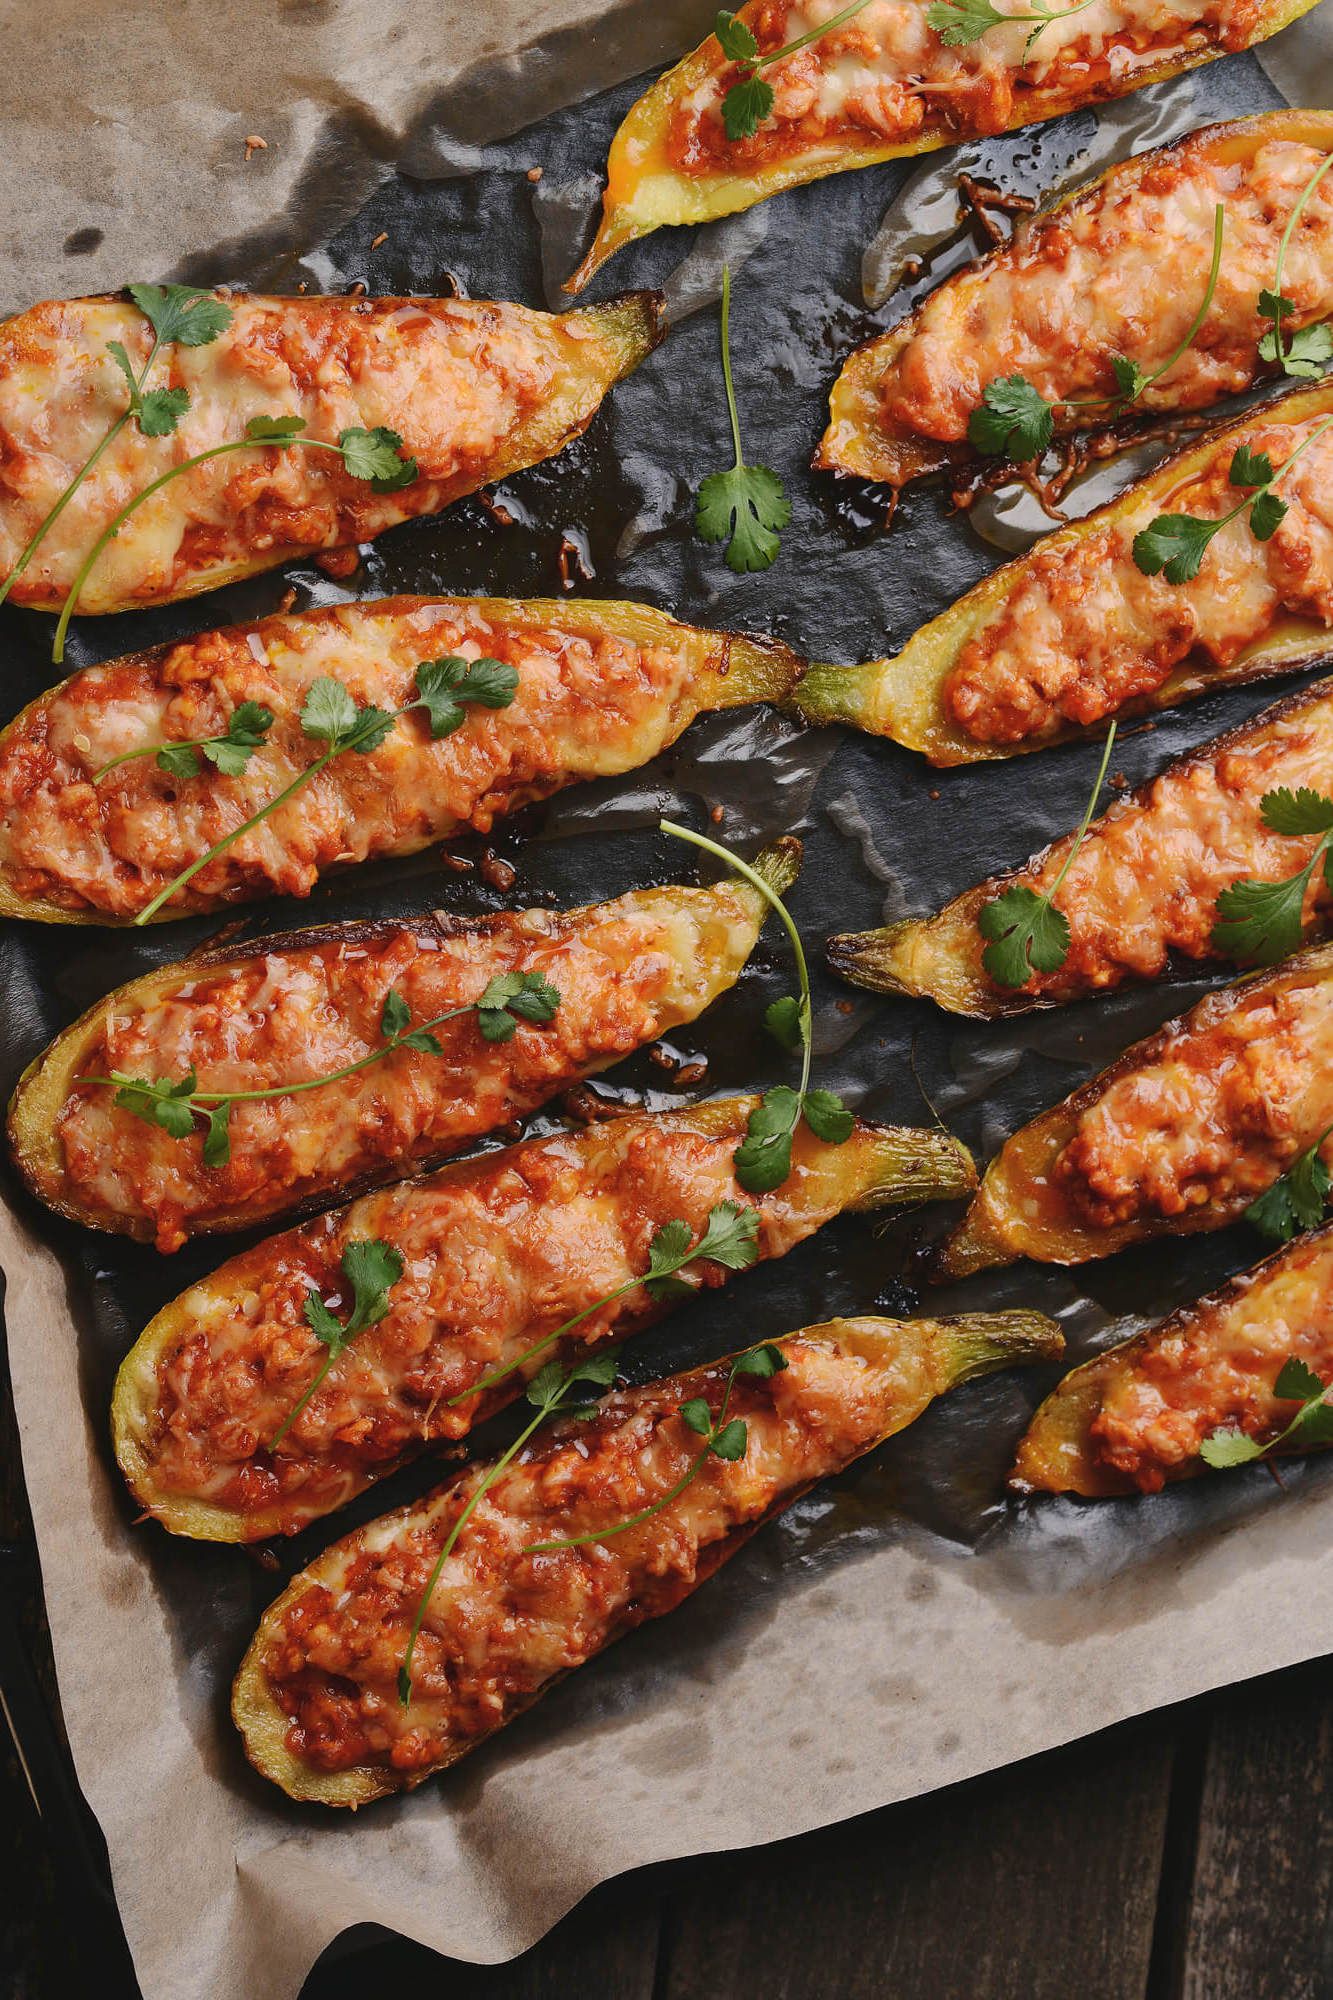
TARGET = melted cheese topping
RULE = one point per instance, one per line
(1146, 880)
(1122, 271)
(496, 1256)
(585, 707)
(502, 1624)
(1082, 631)
(886, 75)
(626, 972)
(457, 379)
(1216, 1365)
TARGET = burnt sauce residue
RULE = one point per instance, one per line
(883, 834)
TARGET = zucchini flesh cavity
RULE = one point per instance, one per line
(476, 390)
(900, 407)
(498, 1253)
(880, 87)
(602, 687)
(1180, 1135)
(1142, 891)
(1063, 638)
(294, 1009)
(1133, 1419)
(333, 1730)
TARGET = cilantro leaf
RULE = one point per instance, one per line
(1272, 305)
(827, 1116)
(1229, 1446)
(376, 456)
(1250, 468)
(1297, 1381)
(765, 1360)
(730, 1441)
(737, 41)
(274, 430)
(745, 107)
(247, 731)
(178, 760)
(395, 1016)
(161, 410)
(1130, 379)
(730, 1238)
(182, 313)
(1266, 516)
(1013, 420)
(669, 1248)
(1175, 543)
(745, 506)
(1295, 1201)
(217, 1137)
(444, 685)
(1302, 811)
(1312, 1424)
(958, 22)
(763, 1159)
(1262, 921)
(330, 714)
(697, 1416)
(511, 997)
(784, 1023)
(116, 349)
(372, 1269)
(1309, 350)
(1027, 934)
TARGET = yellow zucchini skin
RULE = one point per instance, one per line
(1210, 1365)
(659, 1165)
(718, 926)
(902, 697)
(854, 1382)
(645, 191)
(451, 784)
(1016, 1213)
(861, 444)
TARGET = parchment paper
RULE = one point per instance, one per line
(904, 1627)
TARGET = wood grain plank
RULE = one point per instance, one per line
(1031, 1884)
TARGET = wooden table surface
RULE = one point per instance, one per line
(1185, 1856)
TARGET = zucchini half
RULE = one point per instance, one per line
(1018, 1211)
(270, 659)
(458, 1319)
(846, 1386)
(584, 354)
(646, 191)
(902, 697)
(700, 940)
(1212, 1365)
(862, 444)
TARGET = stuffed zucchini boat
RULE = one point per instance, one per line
(1075, 632)
(232, 1424)
(1116, 268)
(318, 1700)
(472, 391)
(322, 1093)
(1188, 1128)
(1136, 1418)
(872, 83)
(1141, 892)
(94, 829)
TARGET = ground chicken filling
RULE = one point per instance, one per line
(1123, 272)
(1145, 882)
(1083, 631)
(1216, 1366)
(1218, 1113)
(502, 1624)
(625, 974)
(585, 706)
(495, 1258)
(885, 76)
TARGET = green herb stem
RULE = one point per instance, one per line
(1088, 812)
(817, 35)
(739, 465)
(498, 1375)
(1288, 232)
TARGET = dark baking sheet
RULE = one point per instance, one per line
(884, 835)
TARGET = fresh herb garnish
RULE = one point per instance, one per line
(1311, 1425)
(372, 1269)
(744, 506)
(749, 102)
(174, 1107)
(374, 456)
(1297, 1200)
(763, 1160)
(547, 1391)
(1027, 933)
(180, 315)
(1309, 347)
(330, 716)
(1176, 543)
(247, 731)
(730, 1238)
(1264, 921)
(1014, 420)
(721, 1439)
(958, 22)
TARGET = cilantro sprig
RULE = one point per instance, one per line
(247, 731)
(745, 506)
(1312, 1424)
(748, 103)
(723, 1438)
(374, 456)
(763, 1160)
(510, 997)
(1014, 420)
(730, 1237)
(372, 1269)
(958, 22)
(1026, 932)
(1175, 544)
(180, 316)
(443, 690)
(1264, 921)
(1310, 348)
(1297, 1200)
